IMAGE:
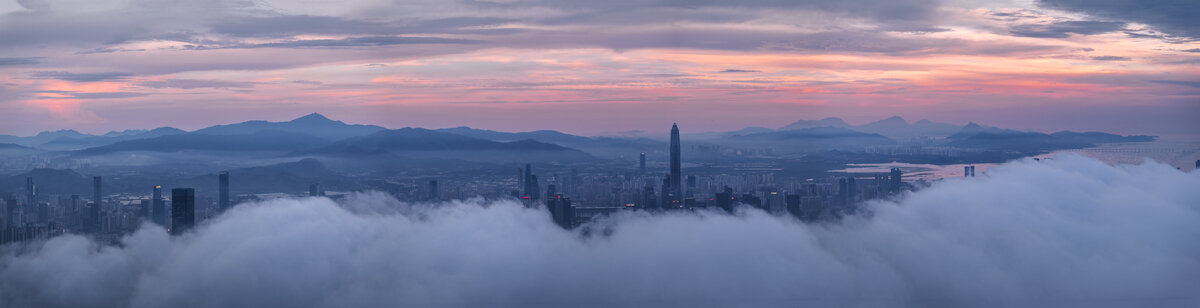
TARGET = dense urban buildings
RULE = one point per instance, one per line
(572, 195)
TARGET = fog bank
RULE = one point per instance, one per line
(1070, 232)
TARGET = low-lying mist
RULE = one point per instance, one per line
(1064, 232)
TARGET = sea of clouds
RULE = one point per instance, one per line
(1066, 232)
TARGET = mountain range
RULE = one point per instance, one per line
(894, 127)
(315, 135)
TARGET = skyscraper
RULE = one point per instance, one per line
(30, 191)
(223, 191)
(183, 210)
(433, 190)
(531, 184)
(843, 191)
(896, 180)
(314, 190)
(642, 163)
(851, 191)
(97, 205)
(10, 212)
(561, 211)
(73, 212)
(158, 212)
(675, 175)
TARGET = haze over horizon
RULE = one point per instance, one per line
(1042, 65)
(615, 153)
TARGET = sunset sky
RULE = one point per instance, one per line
(600, 66)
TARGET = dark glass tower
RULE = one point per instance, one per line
(158, 211)
(223, 191)
(675, 176)
(183, 210)
(642, 163)
(30, 191)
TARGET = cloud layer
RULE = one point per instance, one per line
(490, 63)
(1069, 232)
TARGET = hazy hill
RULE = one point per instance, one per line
(981, 137)
(814, 138)
(86, 141)
(898, 128)
(50, 181)
(42, 137)
(826, 122)
(1100, 137)
(314, 124)
(425, 143)
(267, 140)
(283, 177)
(549, 136)
(602, 146)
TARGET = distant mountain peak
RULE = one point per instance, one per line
(896, 119)
(972, 125)
(313, 118)
(830, 121)
(61, 132)
(924, 122)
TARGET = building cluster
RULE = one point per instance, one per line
(571, 198)
(38, 216)
(605, 193)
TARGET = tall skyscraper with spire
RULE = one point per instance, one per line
(675, 175)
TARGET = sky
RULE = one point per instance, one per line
(1082, 233)
(597, 67)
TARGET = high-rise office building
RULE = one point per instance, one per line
(97, 206)
(724, 199)
(851, 191)
(10, 212)
(675, 176)
(649, 200)
(158, 211)
(314, 190)
(561, 211)
(531, 184)
(223, 191)
(843, 193)
(642, 163)
(74, 212)
(433, 190)
(183, 210)
(533, 187)
(896, 180)
(144, 209)
(792, 203)
(30, 191)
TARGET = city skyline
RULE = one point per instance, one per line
(97, 67)
(695, 153)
